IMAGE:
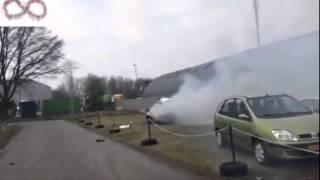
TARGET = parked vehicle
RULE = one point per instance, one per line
(312, 103)
(158, 113)
(28, 109)
(280, 119)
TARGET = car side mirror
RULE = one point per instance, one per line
(244, 116)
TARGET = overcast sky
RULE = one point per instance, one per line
(107, 37)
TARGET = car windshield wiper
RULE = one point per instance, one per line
(268, 115)
(298, 112)
(285, 114)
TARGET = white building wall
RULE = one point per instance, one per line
(33, 91)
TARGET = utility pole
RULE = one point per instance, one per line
(135, 70)
(71, 65)
(136, 74)
(71, 86)
(256, 11)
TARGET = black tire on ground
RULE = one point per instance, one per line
(233, 169)
(89, 124)
(149, 142)
(114, 130)
(81, 121)
(100, 140)
(100, 126)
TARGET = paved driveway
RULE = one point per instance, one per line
(58, 150)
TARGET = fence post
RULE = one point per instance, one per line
(149, 130)
(232, 144)
(149, 141)
(114, 128)
(99, 125)
(234, 168)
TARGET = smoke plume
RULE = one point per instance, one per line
(290, 67)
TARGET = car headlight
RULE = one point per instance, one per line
(284, 135)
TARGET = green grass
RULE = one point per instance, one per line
(6, 134)
(177, 148)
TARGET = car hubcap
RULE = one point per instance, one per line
(259, 152)
(219, 139)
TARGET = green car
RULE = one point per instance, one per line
(276, 126)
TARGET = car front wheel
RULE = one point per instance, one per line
(261, 153)
(219, 139)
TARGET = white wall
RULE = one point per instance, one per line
(32, 91)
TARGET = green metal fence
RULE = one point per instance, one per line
(61, 106)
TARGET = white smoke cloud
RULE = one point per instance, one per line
(276, 69)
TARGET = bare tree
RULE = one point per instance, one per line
(94, 86)
(60, 92)
(26, 53)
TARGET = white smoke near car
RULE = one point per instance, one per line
(283, 67)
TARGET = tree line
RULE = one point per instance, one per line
(96, 86)
(28, 53)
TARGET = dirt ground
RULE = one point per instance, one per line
(200, 153)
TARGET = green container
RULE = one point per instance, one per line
(107, 99)
(61, 106)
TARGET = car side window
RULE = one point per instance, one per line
(242, 111)
(228, 108)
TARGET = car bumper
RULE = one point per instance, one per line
(280, 152)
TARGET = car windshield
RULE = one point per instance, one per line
(313, 104)
(277, 106)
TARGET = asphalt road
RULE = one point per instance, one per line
(58, 150)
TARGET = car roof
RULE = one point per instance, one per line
(310, 98)
(255, 96)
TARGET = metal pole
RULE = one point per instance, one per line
(135, 71)
(71, 67)
(98, 117)
(149, 130)
(256, 11)
(71, 86)
(232, 145)
(87, 114)
(136, 74)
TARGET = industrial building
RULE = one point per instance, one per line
(32, 91)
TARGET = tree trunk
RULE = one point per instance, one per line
(4, 109)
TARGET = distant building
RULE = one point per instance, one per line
(32, 90)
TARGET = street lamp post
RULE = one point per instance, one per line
(71, 66)
(136, 74)
(256, 11)
(135, 70)
(71, 87)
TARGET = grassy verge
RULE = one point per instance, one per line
(6, 134)
(177, 148)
